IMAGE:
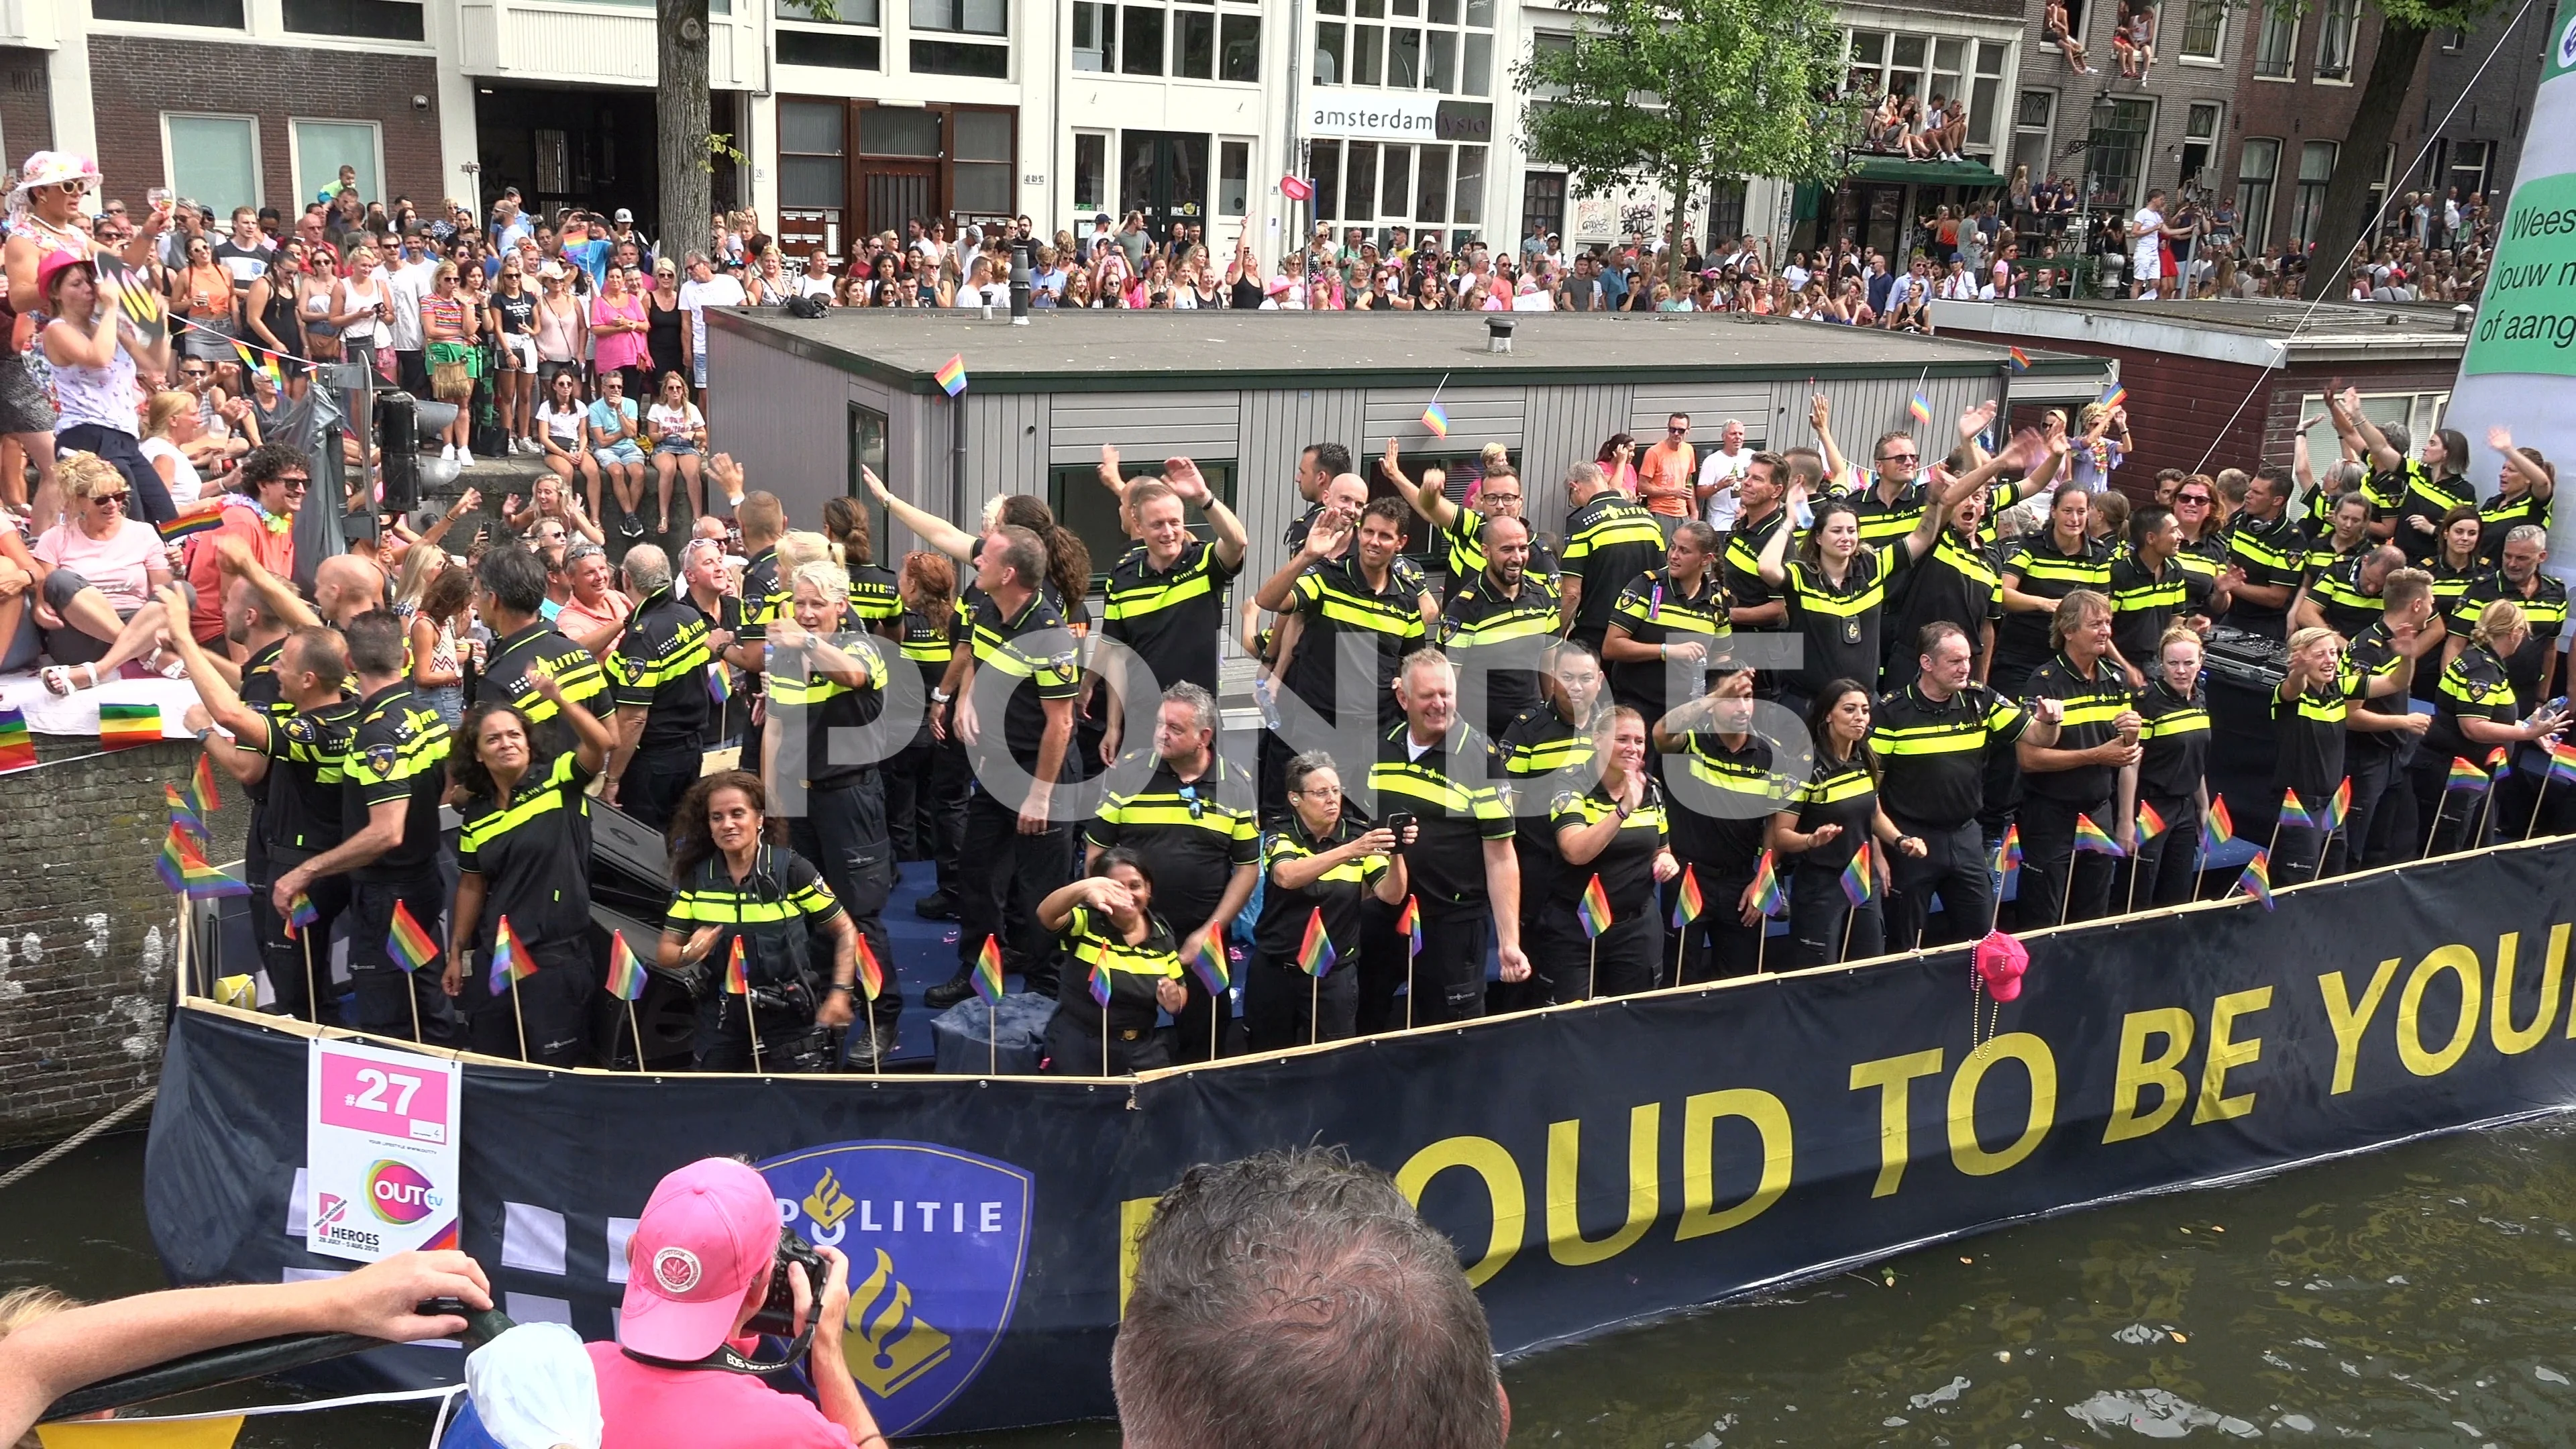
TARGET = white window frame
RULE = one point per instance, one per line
(2423, 412)
(2259, 15)
(1495, 33)
(1216, 177)
(295, 149)
(2327, 17)
(258, 161)
(2217, 56)
(2254, 229)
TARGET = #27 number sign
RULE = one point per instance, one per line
(380, 1151)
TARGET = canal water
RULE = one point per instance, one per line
(2421, 1295)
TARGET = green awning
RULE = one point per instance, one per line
(1924, 173)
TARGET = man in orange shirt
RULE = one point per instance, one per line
(1664, 476)
(258, 507)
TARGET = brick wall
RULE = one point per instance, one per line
(135, 78)
(85, 930)
(26, 115)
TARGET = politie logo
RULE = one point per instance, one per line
(937, 1239)
(399, 1194)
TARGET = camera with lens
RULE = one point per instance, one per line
(777, 1315)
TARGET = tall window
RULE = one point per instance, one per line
(980, 172)
(1189, 39)
(1233, 178)
(2199, 145)
(1378, 186)
(972, 21)
(2204, 30)
(1090, 172)
(1441, 45)
(1725, 210)
(323, 147)
(868, 450)
(2119, 150)
(1542, 203)
(813, 169)
(2031, 118)
(1925, 66)
(2256, 166)
(2316, 168)
(2276, 48)
(2338, 29)
(848, 41)
(2470, 161)
(214, 159)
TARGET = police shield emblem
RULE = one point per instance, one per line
(937, 1240)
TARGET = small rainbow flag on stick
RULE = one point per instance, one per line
(176, 852)
(2257, 879)
(871, 970)
(182, 818)
(1315, 954)
(1209, 965)
(1859, 882)
(1687, 902)
(1920, 409)
(2464, 776)
(188, 525)
(2020, 359)
(717, 688)
(951, 375)
(1099, 985)
(1767, 895)
(300, 913)
(2562, 764)
(2293, 814)
(17, 747)
(123, 726)
(511, 963)
(410, 946)
(2007, 861)
(1410, 924)
(1436, 418)
(201, 788)
(2092, 837)
(1594, 909)
(203, 882)
(2338, 805)
(2114, 396)
(2217, 827)
(988, 971)
(2151, 822)
(625, 971)
(737, 980)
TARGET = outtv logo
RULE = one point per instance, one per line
(399, 1194)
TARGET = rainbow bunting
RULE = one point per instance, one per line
(2293, 814)
(871, 970)
(2562, 765)
(300, 913)
(1409, 924)
(988, 971)
(2020, 359)
(2257, 879)
(1099, 985)
(2337, 806)
(1209, 965)
(1315, 954)
(2089, 836)
(625, 971)
(737, 980)
(2114, 395)
(259, 362)
(2007, 862)
(188, 525)
(511, 963)
(408, 942)
(1859, 884)
(17, 746)
(123, 726)
(2464, 776)
(1594, 909)
(1768, 897)
(2151, 823)
(1920, 409)
(1687, 903)
(201, 788)
(1436, 418)
(2217, 827)
(951, 375)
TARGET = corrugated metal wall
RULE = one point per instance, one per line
(1144, 424)
(1477, 416)
(1566, 426)
(778, 415)
(1709, 408)
(1006, 447)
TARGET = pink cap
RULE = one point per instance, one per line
(709, 1233)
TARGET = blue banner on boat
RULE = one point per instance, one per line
(1596, 1165)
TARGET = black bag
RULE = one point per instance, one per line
(806, 308)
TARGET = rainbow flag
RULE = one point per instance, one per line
(1209, 965)
(182, 818)
(123, 726)
(2217, 827)
(1436, 418)
(988, 971)
(409, 945)
(511, 963)
(717, 689)
(737, 980)
(300, 913)
(2089, 836)
(2007, 862)
(2151, 822)
(188, 525)
(951, 375)
(176, 852)
(1315, 954)
(2337, 806)
(1594, 909)
(201, 788)
(625, 971)
(17, 747)
(203, 882)
(1687, 903)
(2020, 359)
(1099, 984)
(2465, 776)
(2257, 879)
(871, 970)
(259, 362)
(2293, 814)
(1920, 409)
(1859, 883)
(1410, 924)
(2499, 762)
(2562, 765)
(1768, 897)
(2114, 396)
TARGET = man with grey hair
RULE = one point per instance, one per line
(2533, 669)
(1296, 1298)
(1193, 821)
(703, 586)
(657, 676)
(1439, 769)
(1610, 539)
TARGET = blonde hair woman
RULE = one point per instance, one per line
(170, 423)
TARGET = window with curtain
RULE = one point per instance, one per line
(2256, 167)
(2276, 47)
(2204, 30)
(2316, 168)
(2338, 32)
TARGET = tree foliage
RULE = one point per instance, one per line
(1673, 92)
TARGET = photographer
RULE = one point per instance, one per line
(699, 1269)
(733, 880)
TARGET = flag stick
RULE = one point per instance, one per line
(1104, 1042)
(993, 1046)
(187, 965)
(2273, 845)
(2536, 800)
(2135, 862)
(1408, 986)
(637, 1032)
(1681, 943)
(517, 1015)
(411, 993)
(1849, 916)
(2066, 901)
(1592, 970)
(1995, 917)
(1761, 941)
(1217, 1003)
(1314, 1008)
(749, 1021)
(312, 991)
(2438, 807)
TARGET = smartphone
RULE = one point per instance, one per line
(1399, 821)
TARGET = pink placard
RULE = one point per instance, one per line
(367, 1095)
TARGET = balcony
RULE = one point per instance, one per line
(590, 42)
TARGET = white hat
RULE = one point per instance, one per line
(534, 1388)
(51, 168)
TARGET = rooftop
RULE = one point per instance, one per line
(2261, 332)
(1075, 351)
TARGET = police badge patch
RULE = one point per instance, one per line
(381, 758)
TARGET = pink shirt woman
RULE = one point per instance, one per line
(614, 304)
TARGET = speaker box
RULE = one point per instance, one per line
(398, 449)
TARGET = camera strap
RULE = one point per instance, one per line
(730, 1359)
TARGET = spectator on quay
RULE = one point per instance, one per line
(97, 571)
(1665, 475)
(667, 325)
(94, 353)
(705, 288)
(358, 306)
(434, 598)
(679, 433)
(202, 291)
(594, 614)
(449, 352)
(561, 421)
(614, 429)
(170, 426)
(562, 333)
(620, 321)
(269, 315)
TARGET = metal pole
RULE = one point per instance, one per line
(1020, 282)
(957, 458)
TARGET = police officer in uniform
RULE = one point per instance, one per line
(1323, 863)
(734, 879)
(2098, 728)
(523, 856)
(1934, 740)
(1615, 833)
(703, 584)
(1118, 947)
(2148, 587)
(763, 521)
(658, 681)
(1610, 539)
(1721, 799)
(1165, 599)
(1460, 530)
(1499, 623)
(1677, 615)
(1545, 751)
(511, 598)
(2264, 549)
(2380, 730)
(2171, 774)
(2346, 596)
(395, 774)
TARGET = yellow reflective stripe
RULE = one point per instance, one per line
(1934, 741)
(1966, 564)
(1547, 758)
(729, 908)
(1150, 598)
(1519, 624)
(1848, 785)
(2180, 722)
(1734, 778)
(1414, 782)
